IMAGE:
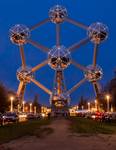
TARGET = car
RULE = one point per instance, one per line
(103, 117)
(10, 117)
(97, 116)
(109, 117)
(113, 116)
(88, 115)
(31, 116)
(22, 116)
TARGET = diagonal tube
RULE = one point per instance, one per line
(20, 87)
(41, 86)
(76, 23)
(97, 88)
(39, 24)
(39, 66)
(76, 86)
(81, 67)
(38, 45)
(79, 44)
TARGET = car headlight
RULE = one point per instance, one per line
(3, 117)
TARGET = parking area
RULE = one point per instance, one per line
(12, 117)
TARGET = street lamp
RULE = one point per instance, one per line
(82, 107)
(95, 104)
(30, 107)
(88, 106)
(77, 107)
(112, 108)
(108, 102)
(35, 109)
(11, 103)
(23, 106)
(18, 108)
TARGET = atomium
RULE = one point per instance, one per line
(24, 74)
(59, 57)
(94, 73)
(98, 32)
(19, 34)
(57, 14)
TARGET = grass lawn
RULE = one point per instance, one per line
(32, 128)
(88, 126)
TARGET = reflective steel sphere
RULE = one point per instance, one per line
(98, 32)
(59, 57)
(94, 73)
(24, 74)
(19, 34)
(57, 14)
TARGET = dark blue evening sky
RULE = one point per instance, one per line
(30, 12)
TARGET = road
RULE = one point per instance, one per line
(63, 139)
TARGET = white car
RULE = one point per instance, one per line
(10, 117)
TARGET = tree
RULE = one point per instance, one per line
(111, 89)
(36, 103)
(3, 98)
(82, 102)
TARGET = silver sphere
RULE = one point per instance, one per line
(59, 58)
(19, 34)
(98, 32)
(57, 14)
(94, 73)
(23, 74)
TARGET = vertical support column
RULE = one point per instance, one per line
(59, 98)
(21, 96)
(57, 34)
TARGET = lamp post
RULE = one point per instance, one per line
(108, 102)
(30, 107)
(112, 108)
(82, 107)
(18, 108)
(77, 107)
(95, 104)
(35, 109)
(88, 106)
(23, 106)
(11, 103)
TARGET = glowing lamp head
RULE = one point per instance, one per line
(11, 98)
(88, 103)
(30, 104)
(23, 102)
(108, 97)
